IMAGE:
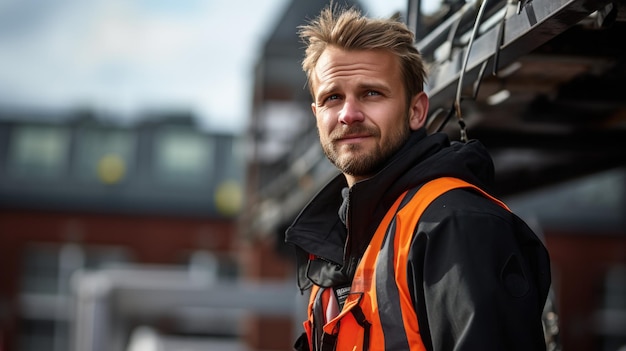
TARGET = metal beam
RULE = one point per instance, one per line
(533, 25)
(105, 300)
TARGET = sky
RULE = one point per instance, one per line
(122, 58)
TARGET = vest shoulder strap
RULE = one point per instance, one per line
(436, 187)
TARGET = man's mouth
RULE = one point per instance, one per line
(353, 137)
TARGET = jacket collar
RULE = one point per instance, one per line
(318, 231)
(318, 228)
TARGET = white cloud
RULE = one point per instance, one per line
(125, 56)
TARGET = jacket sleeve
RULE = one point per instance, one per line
(479, 278)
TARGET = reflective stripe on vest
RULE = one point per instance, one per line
(378, 313)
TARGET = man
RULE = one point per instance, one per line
(404, 250)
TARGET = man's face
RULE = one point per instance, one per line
(362, 113)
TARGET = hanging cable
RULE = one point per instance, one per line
(454, 28)
(457, 100)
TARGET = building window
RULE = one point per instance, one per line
(183, 156)
(45, 291)
(106, 155)
(38, 151)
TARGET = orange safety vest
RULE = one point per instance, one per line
(378, 313)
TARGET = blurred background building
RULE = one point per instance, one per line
(79, 193)
(134, 223)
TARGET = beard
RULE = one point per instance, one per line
(357, 160)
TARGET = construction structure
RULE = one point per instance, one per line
(538, 83)
(108, 234)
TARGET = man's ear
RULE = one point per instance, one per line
(418, 111)
(314, 109)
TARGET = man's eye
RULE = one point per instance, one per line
(332, 97)
(372, 93)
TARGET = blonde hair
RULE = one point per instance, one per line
(349, 30)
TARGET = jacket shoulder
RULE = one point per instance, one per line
(463, 201)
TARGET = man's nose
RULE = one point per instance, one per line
(351, 112)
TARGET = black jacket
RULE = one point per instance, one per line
(479, 275)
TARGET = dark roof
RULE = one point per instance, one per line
(285, 36)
